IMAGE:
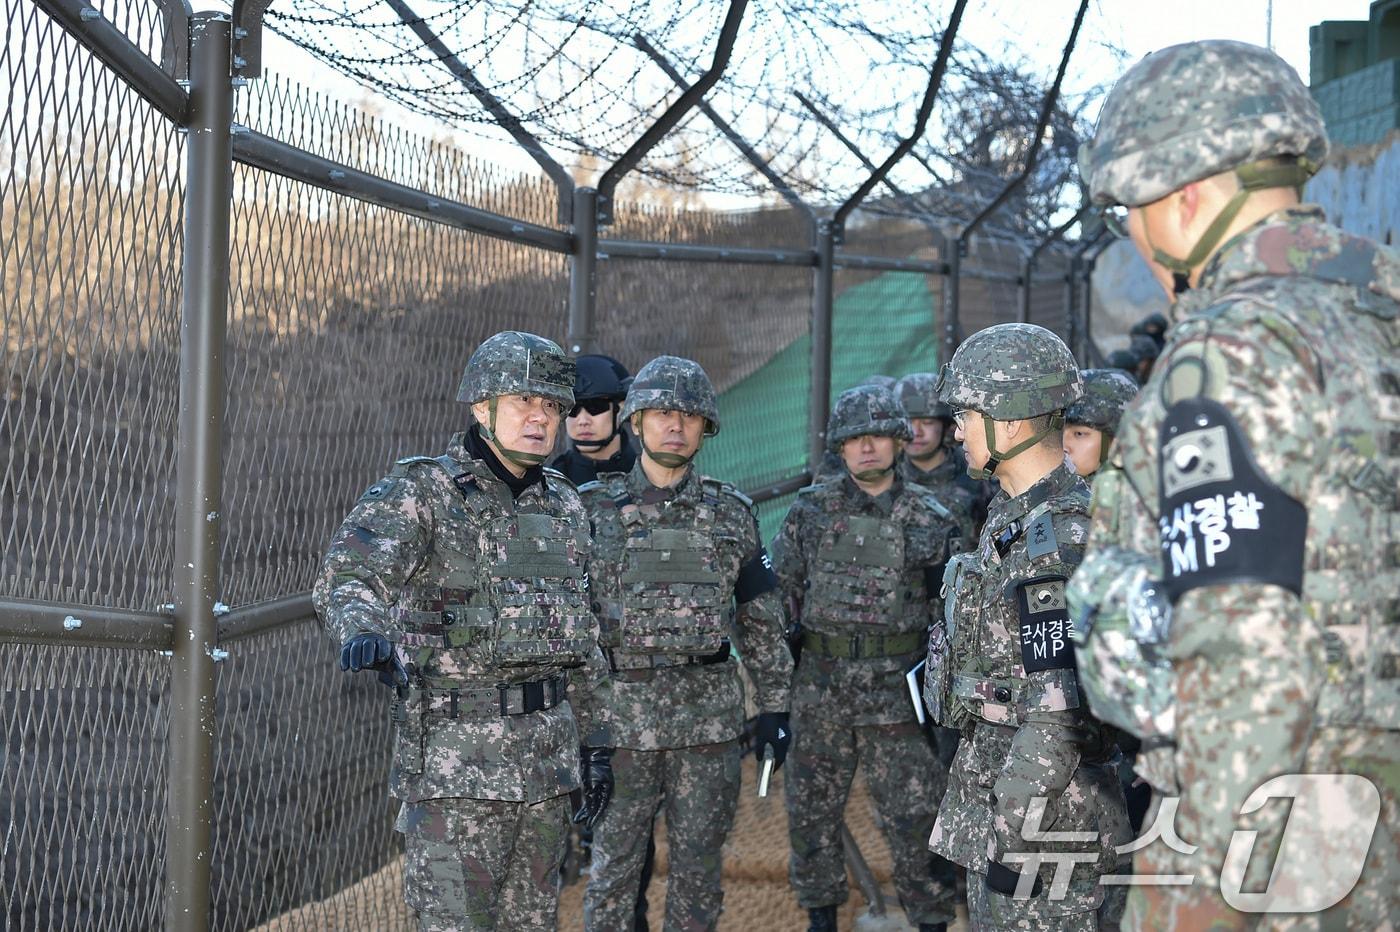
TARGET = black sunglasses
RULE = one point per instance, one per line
(594, 406)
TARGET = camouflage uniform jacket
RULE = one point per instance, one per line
(427, 564)
(1010, 679)
(1293, 330)
(670, 568)
(828, 557)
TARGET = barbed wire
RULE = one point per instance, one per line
(576, 76)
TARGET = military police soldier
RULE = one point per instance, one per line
(1092, 421)
(1001, 668)
(863, 555)
(676, 556)
(1238, 605)
(460, 580)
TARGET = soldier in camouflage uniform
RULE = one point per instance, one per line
(931, 459)
(1239, 609)
(461, 580)
(1001, 667)
(676, 556)
(1092, 421)
(863, 555)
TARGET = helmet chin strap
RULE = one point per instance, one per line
(663, 457)
(518, 457)
(995, 456)
(1253, 177)
(872, 475)
(599, 444)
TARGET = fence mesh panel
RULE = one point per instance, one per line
(91, 197)
(82, 787)
(300, 806)
(349, 328)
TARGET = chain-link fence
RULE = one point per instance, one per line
(365, 263)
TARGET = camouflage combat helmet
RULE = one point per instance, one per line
(882, 381)
(918, 392)
(1106, 393)
(515, 363)
(1195, 110)
(1011, 372)
(670, 383)
(866, 409)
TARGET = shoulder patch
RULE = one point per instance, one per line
(1044, 617)
(1040, 536)
(402, 467)
(1223, 520)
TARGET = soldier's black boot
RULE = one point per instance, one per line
(823, 919)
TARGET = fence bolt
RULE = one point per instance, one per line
(517, 228)
(166, 608)
(239, 32)
(72, 624)
(218, 654)
(337, 174)
(87, 14)
(239, 82)
(236, 129)
(434, 205)
(220, 609)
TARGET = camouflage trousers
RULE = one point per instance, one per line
(698, 789)
(1374, 903)
(989, 911)
(906, 781)
(479, 863)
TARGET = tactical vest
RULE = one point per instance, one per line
(857, 578)
(513, 591)
(976, 678)
(673, 597)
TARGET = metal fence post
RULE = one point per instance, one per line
(199, 474)
(823, 293)
(951, 323)
(583, 271)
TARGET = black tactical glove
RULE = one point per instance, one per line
(373, 652)
(772, 729)
(597, 785)
(1003, 879)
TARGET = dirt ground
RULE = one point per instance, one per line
(756, 893)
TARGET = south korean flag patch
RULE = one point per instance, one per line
(1044, 615)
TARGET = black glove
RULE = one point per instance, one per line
(597, 785)
(772, 729)
(1003, 879)
(373, 652)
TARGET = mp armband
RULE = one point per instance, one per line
(1223, 521)
(1044, 616)
(756, 577)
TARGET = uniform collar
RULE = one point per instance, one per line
(1004, 509)
(883, 503)
(641, 490)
